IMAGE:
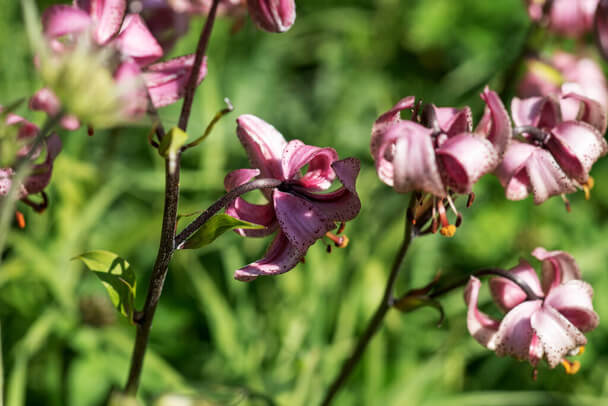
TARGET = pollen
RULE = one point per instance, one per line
(339, 241)
(448, 231)
(571, 368)
(587, 186)
(20, 219)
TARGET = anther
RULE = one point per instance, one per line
(341, 228)
(20, 219)
(447, 229)
(90, 131)
(587, 186)
(339, 241)
(470, 200)
(328, 248)
(458, 221)
(566, 203)
(571, 367)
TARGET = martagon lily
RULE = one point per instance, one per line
(296, 211)
(549, 325)
(560, 140)
(437, 152)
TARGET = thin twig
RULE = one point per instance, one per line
(201, 49)
(220, 204)
(376, 321)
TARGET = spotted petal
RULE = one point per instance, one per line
(515, 334)
(107, 15)
(577, 107)
(281, 257)
(319, 175)
(558, 267)
(167, 81)
(507, 294)
(573, 300)
(540, 112)
(385, 122)
(480, 325)
(495, 123)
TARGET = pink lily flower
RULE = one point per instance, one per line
(40, 175)
(296, 210)
(567, 17)
(233, 8)
(560, 142)
(550, 325)
(110, 26)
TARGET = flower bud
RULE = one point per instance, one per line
(272, 15)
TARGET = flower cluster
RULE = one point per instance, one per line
(548, 325)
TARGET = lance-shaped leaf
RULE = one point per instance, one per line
(216, 226)
(116, 276)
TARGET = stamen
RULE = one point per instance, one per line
(447, 229)
(470, 200)
(328, 248)
(587, 186)
(90, 131)
(20, 219)
(576, 351)
(458, 221)
(341, 228)
(339, 241)
(571, 367)
(566, 203)
(452, 206)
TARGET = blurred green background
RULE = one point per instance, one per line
(284, 338)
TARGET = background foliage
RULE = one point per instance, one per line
(227, 342)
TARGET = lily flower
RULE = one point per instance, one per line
(137, 50)
(572, 18)
(560, 142)
(296, 210)
(40, 174)
(549, 325)
(438, 152)
(165, 24)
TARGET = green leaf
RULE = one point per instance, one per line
(116, 276)
(216, 226)
(172, 142)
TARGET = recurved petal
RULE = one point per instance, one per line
(61, 20)
(136, 41)
(281, 257)
(507, 294)
(573, 300)
(558, 267)
(557, 335)
(167, 81)
(454, 121)
(540, 112)
(108, 16)
(480, 325)
(512, 171)
(495, 123)
(414, 163)
(577, 107)
(263, 143)
(576, 146)
(239, 177)
(41, 173)
(262, 214)
(463, 159)
(300, 220)
(546, 177)
(319, 174)
(514, 336)
(601, 27)
(384, 122)
(344, 203)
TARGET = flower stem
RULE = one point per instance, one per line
(220, 204)
(374, 324)
(201, 49)
(490, 271)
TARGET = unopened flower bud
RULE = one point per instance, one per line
(273, 15)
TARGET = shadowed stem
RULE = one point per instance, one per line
(376, 321)
(201, 49)
(1, 370)
(490, 271)
(167, 238)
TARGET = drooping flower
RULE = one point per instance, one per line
(567, 17)
(131, 49)
(438, 152)
(559, 144)
(40, 173)
(296, 210)
(550, 325)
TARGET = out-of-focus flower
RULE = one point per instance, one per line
(40, 173)
(567, 17)
(268, 15)
(564, 73)
(163, 21)
(296, 209)
(96, 36)
(550, 325)
(559, 143)
(438, 152)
